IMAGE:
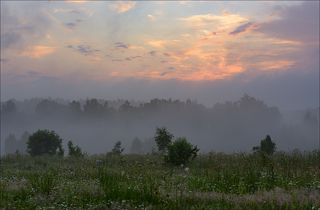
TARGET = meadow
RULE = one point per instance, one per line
(211, 181)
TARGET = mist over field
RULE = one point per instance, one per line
(95, 125)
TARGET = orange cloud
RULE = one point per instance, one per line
(158, 43)
(37, 51)
(122, 6)
(208, 52)
(274, 65)
(220, 22)
(76, 1)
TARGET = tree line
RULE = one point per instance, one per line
(232, 124)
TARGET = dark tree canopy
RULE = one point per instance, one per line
(93, 107)
(266, 145)
(8, 107)
(181, 152)
(117, 148)
(75, 107)
(45, 142)
(163, 138)
(48, 107)
(74, 151)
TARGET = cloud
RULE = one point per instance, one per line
(18, 30)
(84, 49)
(62, 10)
(73, 25)
(37, 51)
(132, 57)
(157, 43)
(151, 17)
(152, 53)
(76, 1)
(217, 22)
(117, 60)
(70, 25)
(121, 45)
(242, 28)
(9, 38)
(122, 6)
(298, 22)
(78, 11)
(4, 60)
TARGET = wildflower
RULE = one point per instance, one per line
(186, 169)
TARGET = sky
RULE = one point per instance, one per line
(206, 51)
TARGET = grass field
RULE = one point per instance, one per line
(211, 181)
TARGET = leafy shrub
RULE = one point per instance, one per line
(181, 152)
(44, 142)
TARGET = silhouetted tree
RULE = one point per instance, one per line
(74, 151)
(48, 106)
(181, 152)
(45, 142)
(8, 107)
(266, 145)
(163, 138)
(126, 106)
(75, 107)
(117, 148)
(93, 107)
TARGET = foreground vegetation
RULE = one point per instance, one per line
(211, 181)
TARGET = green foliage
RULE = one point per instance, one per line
(74, 151)
(266, 146)
(117, 148)
(44, 142)
(163, 138)
(181, 152)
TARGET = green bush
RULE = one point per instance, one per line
(266, 146)
(44, 142)
(181, 152)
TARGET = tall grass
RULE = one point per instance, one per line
(212, 181)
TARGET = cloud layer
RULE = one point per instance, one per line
(157, 42)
